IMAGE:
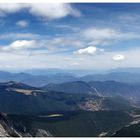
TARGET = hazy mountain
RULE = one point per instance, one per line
(80, 72)
(125, 77)
(128, 69)
(35, 80)
(41, 80)
(53, 71)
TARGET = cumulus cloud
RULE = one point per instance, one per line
(22, 23)
(45, 10)
(20, 45)
(59, 10)
(118, 57)
(91, 50)
(37, 43)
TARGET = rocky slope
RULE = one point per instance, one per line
(8, 128)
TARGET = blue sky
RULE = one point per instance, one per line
(69, 36)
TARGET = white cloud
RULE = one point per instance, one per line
(75, 64)
(53, 11)
(22, 36)
(37, 43)
(45, 10)
(22, 23)
(10, 8)
(67, 27)
(118, 57)
(108, 33)
(101, 50)
(91, 50)
(97, 33)
(20, 45)
(102, 61)
(65, 41)
(129, 18)
(102, 42)
(60, 44)
(106, 36)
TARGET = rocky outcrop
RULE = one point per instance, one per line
(8, 129)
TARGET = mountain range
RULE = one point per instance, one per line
(38, 79)
(69, 105)
(103, 89)
(18, 98)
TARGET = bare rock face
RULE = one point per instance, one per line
(3, 132)
(91, 105)
(8, 129)
(43, 133)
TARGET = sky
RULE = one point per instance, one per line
(69, 35)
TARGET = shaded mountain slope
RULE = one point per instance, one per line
(79, 123)
(22, 99)
(105, 89)
(72, 87)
